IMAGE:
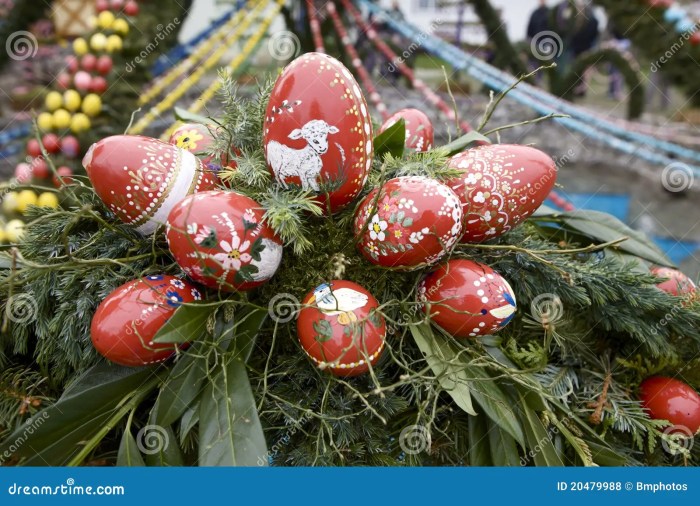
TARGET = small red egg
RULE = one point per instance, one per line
(467, 299)
(340, 328)
(103, 65)
(40, 168)
(101, 5)
(141, 179)
(70, 147)
(126, 322)
(116, 5)
(66, 176)
(413, 222)
(88, 62)
(419, 129)
(672, 400)
(501, 185)
(52, 143)
(318, 132)
(82, 80)
(695, 39)
(72, 64)
(678, 283)
(33, 148)
(63, 80)
(98, 84)
(221, 241)
(131, 8)
(23, 172)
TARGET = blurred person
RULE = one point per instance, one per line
(539, 22)
(622, 44)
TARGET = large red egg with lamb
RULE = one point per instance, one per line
(677, 283)
(141, 179)
(500, 186)
(408, 223)
(221, 241)
(318, 132)
(126, 322)
(672, 400)
(340, 328)
(419, 130)
(467, 299)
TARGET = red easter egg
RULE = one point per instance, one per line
(72, 63)
(678, 283)
(63, 80)
(88, 62)
(70, 146)
(413, 222)
(116, 5)
(131, 8)
(103, 65)
(40, 168)
(467, 299)
(340, 328)
(33, 148)
(98, 84)
(672, 400)
(141, 179)
(501, 185)
(23, 172)
(317, 131)
(695, 39)
(52, 143)
(198, 139)
(221, 241)
(419, 129)
(101, 5)
(66, 175)
(82, 80)
(129, 318)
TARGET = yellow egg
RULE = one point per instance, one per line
(45, 121)
(98, 42)
(120, 26)
(47, 199)
(105, 19)
(61, 119)
(25, 198)
(114, 43)
(92, 105)
(80, 47)
(71, 100)
(79, 123)
(14, 230)
(53, 100)
(9, 202)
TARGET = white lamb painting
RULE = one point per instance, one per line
(305, 163)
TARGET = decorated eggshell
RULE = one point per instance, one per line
(141, 179)
(467, 299)
(197, 139)
(340, 328)
(501, 185)
(318, 132)
(220, 240)
(678, 283)
(129, 318)
(413, 222)
(673, 400)
(419, 129)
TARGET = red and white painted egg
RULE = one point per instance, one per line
(340, 328)
(318, 132)
(500, 186)
(419, 130)
(413, 222)
(141, 179)
(677, 283)
(198, 139)
(220, 240)
(467, 299)
(126, 322)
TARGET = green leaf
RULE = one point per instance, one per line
(184, 384)
(187, 324)
(466, 141)
(247, 325)
(504, 449)
(85, 406)
(441, 357)
(479, 450)
(539, 441)
(323, 330)
(392, 141)
(230, 433)
(129, 454)
(602, 227)
(190, 117)
(189, 419)
(168, 454)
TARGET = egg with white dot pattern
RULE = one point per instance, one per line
(141, 179)
(467, 299)
(317, 131)
(500, 186)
